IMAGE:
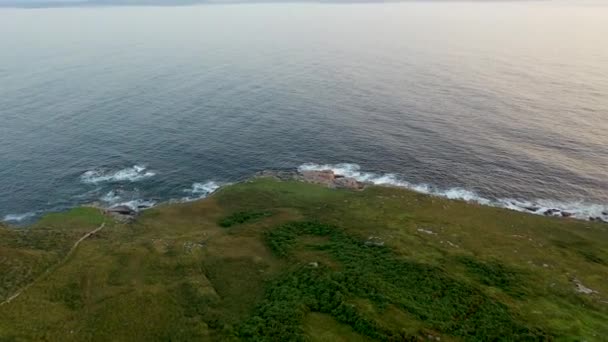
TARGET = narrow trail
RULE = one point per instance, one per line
(48, 271)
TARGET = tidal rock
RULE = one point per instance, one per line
(278, 174)
(349, 183)
(551, 212)
(325, 177)
(566, 214)
(122, 210)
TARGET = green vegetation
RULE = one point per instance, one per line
(374, 273)
(493, 273)
(243, 217)
(304, 262)
(26, 254)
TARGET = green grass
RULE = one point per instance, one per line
(303, 262)
(375, 273)
(493, 273)
(243, 217)
(26, 253)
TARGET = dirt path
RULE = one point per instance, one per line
(48, 271)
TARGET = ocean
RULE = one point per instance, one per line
(500, 103)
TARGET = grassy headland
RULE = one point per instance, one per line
(286, 260)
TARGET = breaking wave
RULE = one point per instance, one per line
(130, 174)
(18, 217)
(115, 198)
(111, 197)
(200, 190)
(137, 204)
(575, 209)
(133, 199)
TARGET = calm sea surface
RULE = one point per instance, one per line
(503, 103)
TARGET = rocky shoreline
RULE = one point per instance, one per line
(331, 179)
(323, 177)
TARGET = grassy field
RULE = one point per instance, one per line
(285, 261)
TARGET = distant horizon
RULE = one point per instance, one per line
(168, 3)
(69, 3)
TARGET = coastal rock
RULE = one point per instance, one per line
(145, 205)
(551, 212)
(349, 183)
(330, 179)
(278, 174)
(122, 210)
(325, 177)
(122, 213)
(566, 214)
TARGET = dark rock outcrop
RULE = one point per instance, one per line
(348, 183)
(122, 210)
(122, 213)
(551, 212)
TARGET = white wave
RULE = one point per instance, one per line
(18, 217)
(136, 204)
(130, 174)
(354, 171)
(576, 209)
(579, 210)
(129, 198)
(111, 197)
(201, 190)
(344, 169)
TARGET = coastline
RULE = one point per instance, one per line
(341, 175)
(222, 254)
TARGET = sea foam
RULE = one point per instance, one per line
(131, 199)
(137, 204)
(576, 209)
(200, 190)
(130, 174)
(18, 217)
